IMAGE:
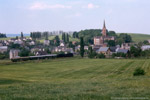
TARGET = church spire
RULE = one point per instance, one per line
(104, 26)
(104, 30)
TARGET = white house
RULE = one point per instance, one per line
(3, 49)
(46, 42)
(145, 47)
(14, 53)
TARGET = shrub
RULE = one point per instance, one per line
(101, 55)
(138, 72)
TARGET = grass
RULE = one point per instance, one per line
(73, 79)
(140, 37)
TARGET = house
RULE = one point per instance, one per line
(37, 53)
(100, 40)
(32, 43)
(63, 49)
(96, 47)
(104, 50)
(113, 49)
(145, 47)
(77, 48)
(3, 49)
(86, 47)
(125, 51)
(148, 41)
(126, 46)
(46, 42)
(14, 53)
(62, 44)
(19, 41)
(36, 49)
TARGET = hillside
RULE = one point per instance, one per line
(139, 37)
(73, 79)
(136, 37)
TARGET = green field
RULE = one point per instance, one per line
(140, 37)
(73, 79)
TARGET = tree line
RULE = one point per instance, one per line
(88, 36)
(2, 35)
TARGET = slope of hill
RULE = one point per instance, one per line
(139, 37)
(73, 79)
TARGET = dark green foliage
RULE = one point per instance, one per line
(71, 46)
(111, 43)
(138, 72)
(124, 38)
(24, 53)
(2, 56)
(91, 53)
(36, 35)
(146, 42)
(135, 51)
(14, 46)
(112, 33)
(64, 37)
(75, 35)
(89, 35)
(16, 37)
(45, 34)
(101, 55)
(119, 55)
(48, 51)
(81, 47)
(21, 35)
(3, 35)
(67, 38)
(56, 41)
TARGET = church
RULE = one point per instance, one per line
(100, 40)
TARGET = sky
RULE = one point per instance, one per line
(131, 16)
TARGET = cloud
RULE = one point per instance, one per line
(44, 6)
(91, 6)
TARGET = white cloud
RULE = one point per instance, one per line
(91, 6)
(44, 6)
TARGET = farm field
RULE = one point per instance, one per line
(74, 79)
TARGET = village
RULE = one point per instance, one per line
(27, 46)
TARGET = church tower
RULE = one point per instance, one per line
(104, 30)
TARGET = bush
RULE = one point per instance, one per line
(92, 55)
(138, 72)
(101, 55)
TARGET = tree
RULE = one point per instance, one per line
(111, 43)
(3, 35)
(17, 37)
(82, 47)
(135, 51)
(127, 38)
(21, 35)
(64, 37)
(91, 53)
(145, 42)
(101, 55)
(112, 33)
(24, 52)
(46, 36)
(67, 38)
(56, 41)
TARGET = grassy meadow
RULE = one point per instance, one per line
(140, 37)
(73, 79)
